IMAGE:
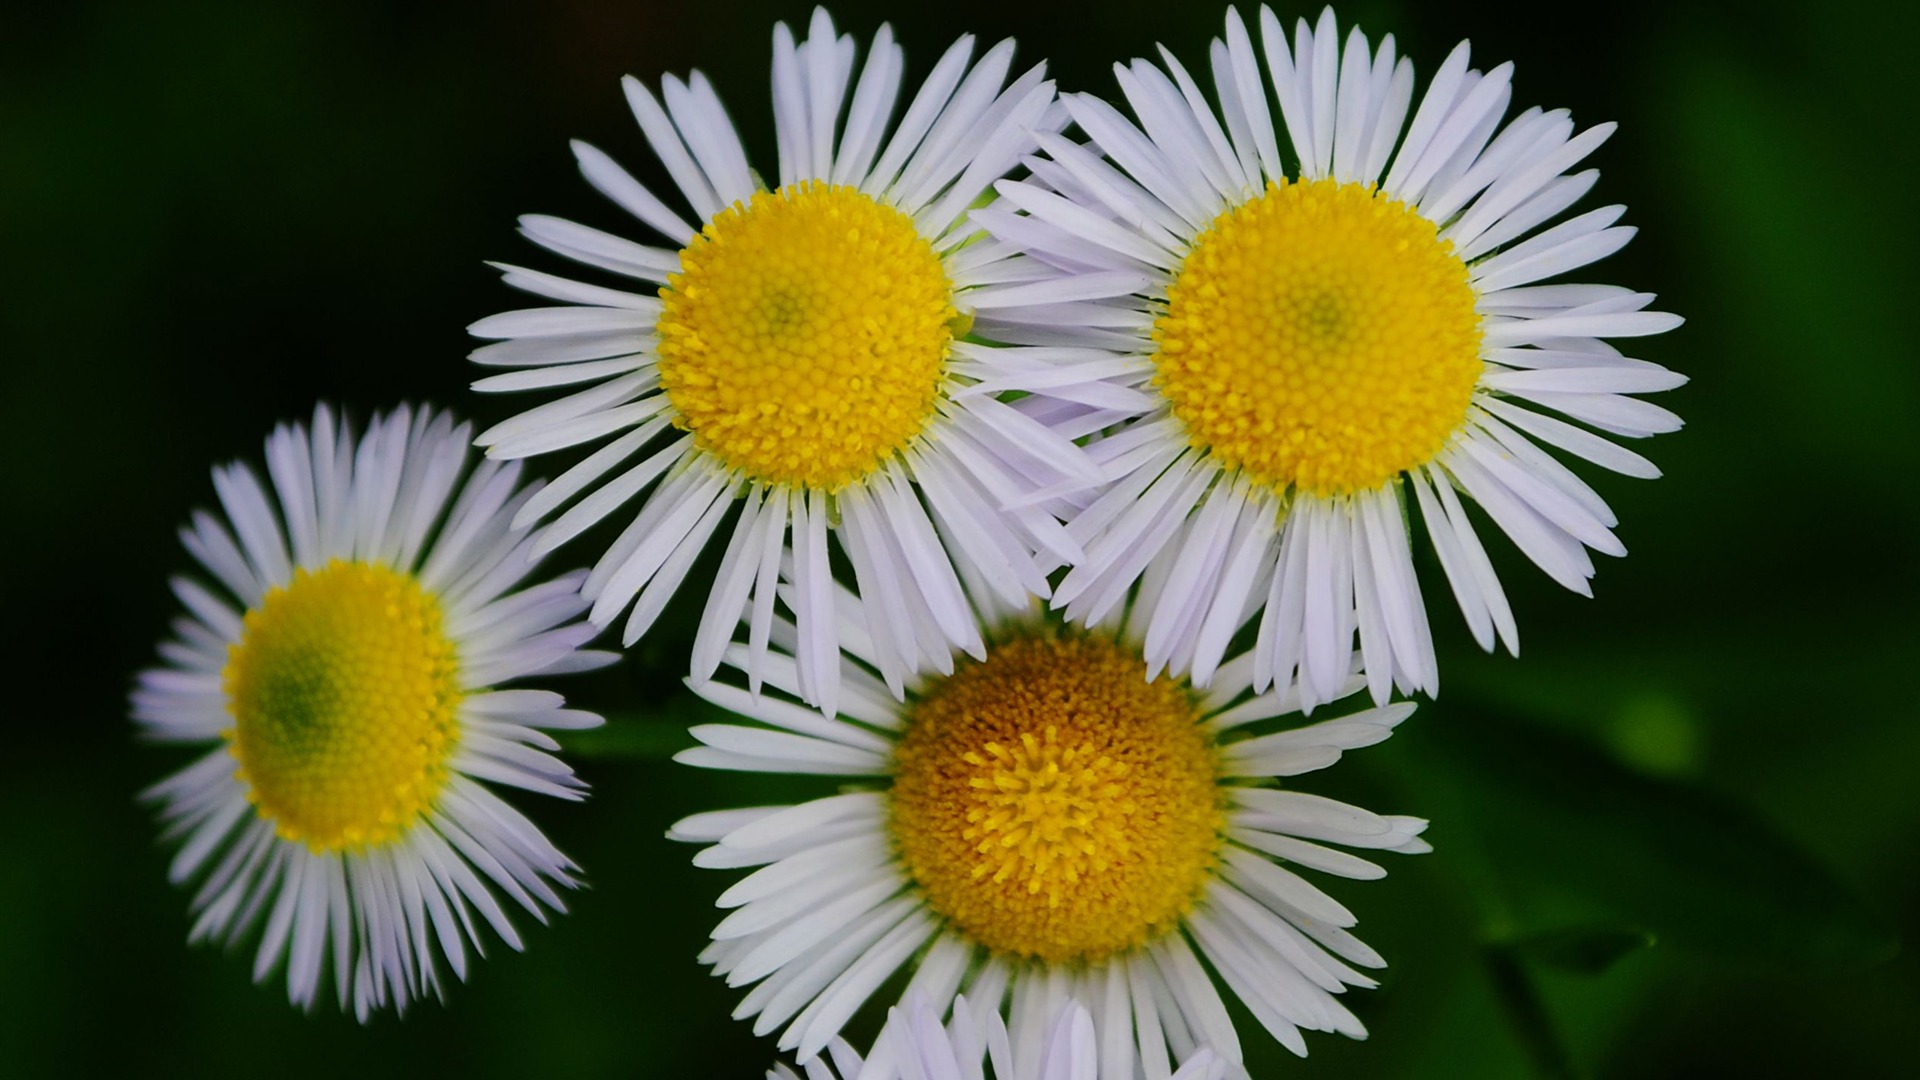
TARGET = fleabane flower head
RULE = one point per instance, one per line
(916, 1046)
(1343, 313)
(1044, 822)
(342, 666)
(812, 352)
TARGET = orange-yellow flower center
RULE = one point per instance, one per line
(805, 337)
(1321, 337)
(1052, 803)
(343, 688)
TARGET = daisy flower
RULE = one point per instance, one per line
(914, 1046)
(1347, 313)
(1043, 823)
(342, 667)
(812, 353)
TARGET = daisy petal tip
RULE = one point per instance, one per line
(1397, 713)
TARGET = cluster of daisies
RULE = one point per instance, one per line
(1063, 453)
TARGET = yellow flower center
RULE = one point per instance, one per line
(343, 687)
(804, 339)
(1320, 337)
(1053, 803)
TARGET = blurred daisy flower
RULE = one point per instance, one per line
(809, 353)
(914, 1046)
(342, 668)
(1348, 312)
(1042, 823)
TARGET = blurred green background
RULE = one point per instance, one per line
(212, 214)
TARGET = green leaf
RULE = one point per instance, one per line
(643, 735)
(628, 740)
(1572, 838)
(1581, 950)
(1533, 1026)
(1584, 950)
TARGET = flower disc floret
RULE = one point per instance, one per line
(1320, 336)
(805, 337)
(343, 689)
(1054, 804)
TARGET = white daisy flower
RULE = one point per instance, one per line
(914, 1046)
(343, 671)
(808, 352)
(1327, 336)
(1043, 824)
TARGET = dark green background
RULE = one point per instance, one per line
(212, 214)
